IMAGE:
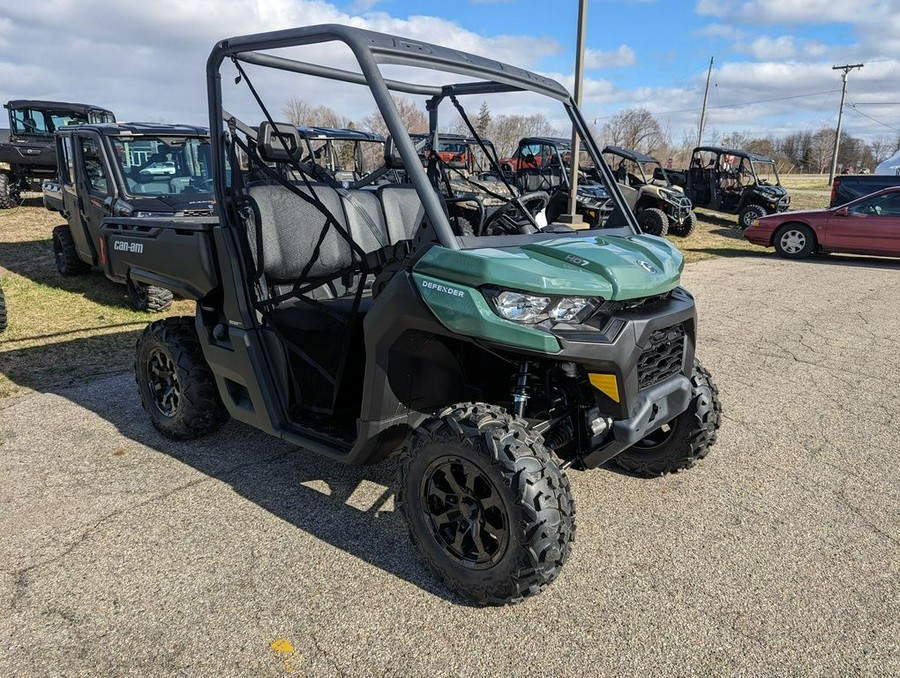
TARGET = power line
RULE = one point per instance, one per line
(758, 101)
(884, 124)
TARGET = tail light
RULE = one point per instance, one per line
(834, 189)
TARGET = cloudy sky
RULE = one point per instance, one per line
(145, 60)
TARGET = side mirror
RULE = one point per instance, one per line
(841, 212)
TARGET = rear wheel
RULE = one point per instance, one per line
(149, 298)
(686, 227)
(177, 388)
(9, 192)
(65, 254)
(794, 241)
(653, 221)
(680, 443)
(487, 507)
(749, 214)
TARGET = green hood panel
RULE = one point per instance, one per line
(612, 267)
(464, 310)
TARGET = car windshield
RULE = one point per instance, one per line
(35, 121)
(164, 165)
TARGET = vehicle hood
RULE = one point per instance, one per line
(606, 266)
(771, 190)
(771, 220)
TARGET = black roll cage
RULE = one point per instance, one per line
(371, 49)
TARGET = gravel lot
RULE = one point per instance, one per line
(123, 553)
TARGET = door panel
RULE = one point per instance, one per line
(870, 226)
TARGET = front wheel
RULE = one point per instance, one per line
(686, 227)
(794, 241)
(487, 507)
(177, 388)
(653, 221)
(680, 443)
(749, 214)
(148, 298)
(9, 192)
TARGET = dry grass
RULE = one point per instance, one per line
(67, 330)
(61, 330)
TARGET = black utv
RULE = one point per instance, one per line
(733, 181)
(543, 164)
(138, 170)
(28, 154)
(660, 206)
(354, 322)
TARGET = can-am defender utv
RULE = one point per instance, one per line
(660, 206)
(141, 170)
(356, 324)
(733, 181)
(28, 155)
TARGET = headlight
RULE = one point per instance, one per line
(522, 307)
(674, 196)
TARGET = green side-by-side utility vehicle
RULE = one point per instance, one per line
(355, 323)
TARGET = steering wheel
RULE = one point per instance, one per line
(512, 217)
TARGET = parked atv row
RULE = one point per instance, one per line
(354, 319)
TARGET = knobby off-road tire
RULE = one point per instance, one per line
(148, 298)
(9, 194)
(488, 508)
(2, 310)
(748, 214)
(176, 386)
(67, 261)
(653, 221)
(686, 227)
(680, 443)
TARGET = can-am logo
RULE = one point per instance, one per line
(443, 289)
(130, 247)
(647, 266)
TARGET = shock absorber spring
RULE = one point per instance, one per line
(520, 393)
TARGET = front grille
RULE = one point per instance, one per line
(664, 358)
(642, 303)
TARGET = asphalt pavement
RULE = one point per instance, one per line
(122, 553)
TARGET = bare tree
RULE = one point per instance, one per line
(637, 129)
(413, 117)
(882, 148)
(506, 130)
(299, 112)
(820, 149)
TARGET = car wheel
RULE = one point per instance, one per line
(794, 241)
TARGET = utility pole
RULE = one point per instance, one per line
(705, 99)
(837, 137)
(573, 218)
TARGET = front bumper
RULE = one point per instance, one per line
(654, 407)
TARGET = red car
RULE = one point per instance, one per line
(868, 225)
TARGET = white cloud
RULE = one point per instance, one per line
(623, 56)
(148, 60)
